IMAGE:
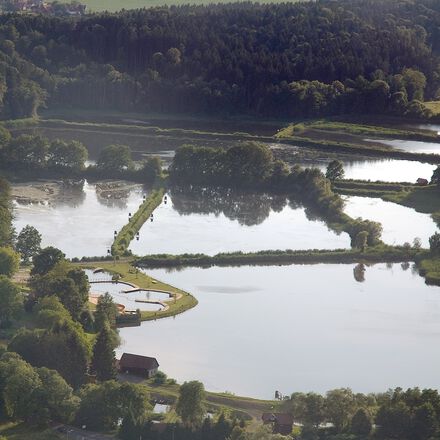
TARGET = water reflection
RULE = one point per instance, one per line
(245, 207)
(400, 224)
(212, 221)
(320, 327)
(411, 146)
(77, 218)
(359, 272)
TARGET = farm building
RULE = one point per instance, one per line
(139, 365)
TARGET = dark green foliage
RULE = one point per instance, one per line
(394, 421)
(9, 261)
(10, 299)
(190, 405)
(151, 170)
(46, 260)
(63, 348)
(104, 358)
(71, 286)
(102, 405)
(114, 159)
(28, 243)
(335, 170)
(25, 152)
(5, 213)
(292, 59)
(435, 179)
(67, 155)
(434, 243)
(106, 312)
(35, 395)
(361, 424)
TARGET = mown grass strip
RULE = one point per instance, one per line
(128, 232)
(377, 254)
(130, 274)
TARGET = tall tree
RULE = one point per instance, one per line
(190, 405)
(46, 260)
(10, 299)
(28, 243)
(104, 357)
(335, 170)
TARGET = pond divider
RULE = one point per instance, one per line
(129, 231)
(378, 254)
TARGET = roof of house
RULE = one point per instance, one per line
(129, 360)
(280, 418)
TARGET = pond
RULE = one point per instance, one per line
(209, 221)
(101, 283)
(81, 219)
(298, 328)
(400, 223)
(363, 168)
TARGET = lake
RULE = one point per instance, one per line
(81, 219)
(400, 223)
(298, 328)
(207, 221)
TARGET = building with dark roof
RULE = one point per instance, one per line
(138, 365)
(281, 423)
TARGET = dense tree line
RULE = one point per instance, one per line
(397, 414)
(291, 59)
(37, 155)
(5, 213)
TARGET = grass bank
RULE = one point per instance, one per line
(434, 106)
(429, 268)
(424, 199)
(180, 302)
(377, 254)
(356, 128)
(370, 150)
(128, 232)
(19, 431)
(242, 407)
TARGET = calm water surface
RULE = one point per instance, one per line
(298, 328)
(79, 222)
(388, 170)
(400, 224)
(413, 146)
(211, 222)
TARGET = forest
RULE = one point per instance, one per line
(271, 60)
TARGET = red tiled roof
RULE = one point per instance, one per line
(129, 360)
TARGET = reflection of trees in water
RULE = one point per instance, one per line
(247, 208)
(71, 194)
(359, 272)
(112, 200)
(405, 265)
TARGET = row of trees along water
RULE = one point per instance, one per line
(291, 59)
(36, 154)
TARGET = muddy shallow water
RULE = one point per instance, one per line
(78, 219)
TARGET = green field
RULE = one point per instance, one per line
(117, 5)
(434, 106)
